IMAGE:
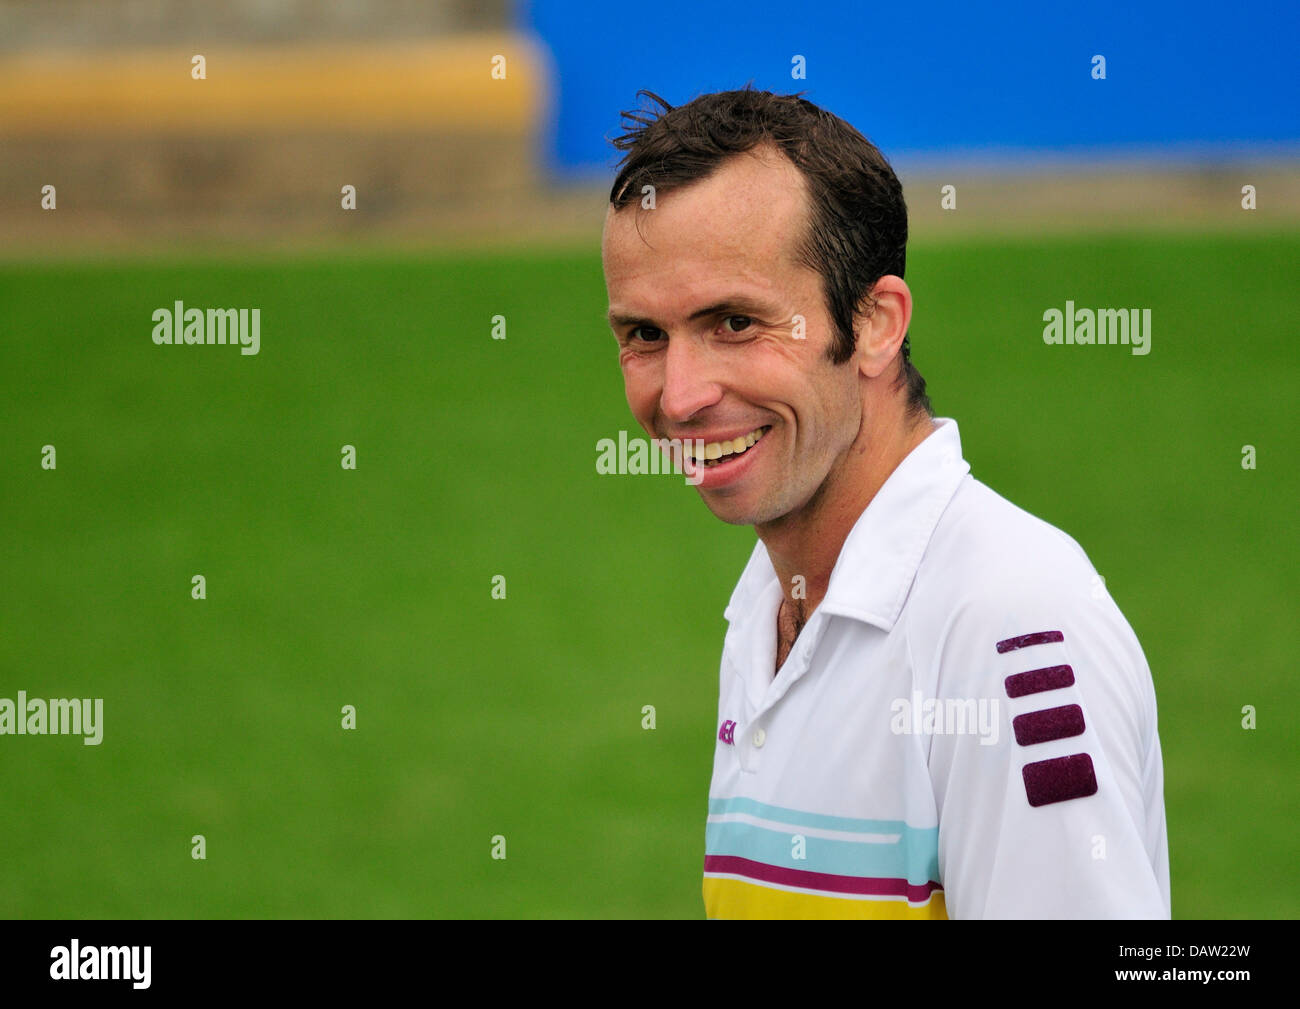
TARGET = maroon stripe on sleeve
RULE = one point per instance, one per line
(1048, 724)
(1035, 681)
(1059, 779)
(1025, 640)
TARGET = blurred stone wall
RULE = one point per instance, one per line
(402, 100)
(31, 24)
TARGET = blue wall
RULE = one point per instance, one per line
(1206, 80)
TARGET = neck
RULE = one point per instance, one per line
(807, 541)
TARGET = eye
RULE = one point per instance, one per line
(651, 337)
(743, 320)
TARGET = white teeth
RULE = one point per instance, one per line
(716, 450)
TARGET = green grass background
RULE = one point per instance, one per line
(476, 457)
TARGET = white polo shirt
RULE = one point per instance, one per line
(965, 727)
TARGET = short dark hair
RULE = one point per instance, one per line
(857, 228)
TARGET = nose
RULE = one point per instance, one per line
(688, 383)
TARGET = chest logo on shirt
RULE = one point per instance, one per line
(727, 733)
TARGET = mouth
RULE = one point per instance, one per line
(717, 453)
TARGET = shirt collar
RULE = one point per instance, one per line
(878, 561)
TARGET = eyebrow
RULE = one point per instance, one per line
(736, 304)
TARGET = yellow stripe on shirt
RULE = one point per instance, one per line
(736, 898)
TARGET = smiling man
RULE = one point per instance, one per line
(929, 707)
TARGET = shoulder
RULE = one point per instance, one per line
(994, 574)
(986, 548)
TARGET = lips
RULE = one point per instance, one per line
(723, 473)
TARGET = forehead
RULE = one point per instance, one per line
(741, 222)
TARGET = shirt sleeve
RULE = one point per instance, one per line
(1053, 806)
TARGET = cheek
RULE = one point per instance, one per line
(829, 407)
(846, 418)
(642, 385)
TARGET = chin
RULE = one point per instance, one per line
(727, 511)
(737, 513)
(734, 519)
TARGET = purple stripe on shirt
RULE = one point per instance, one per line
(1061, 778)
(1025, 640)
(1037, 680)
(1048, 724)
(864, 885)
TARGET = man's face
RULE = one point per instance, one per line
(705, 295)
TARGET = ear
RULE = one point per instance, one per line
(880, 329)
